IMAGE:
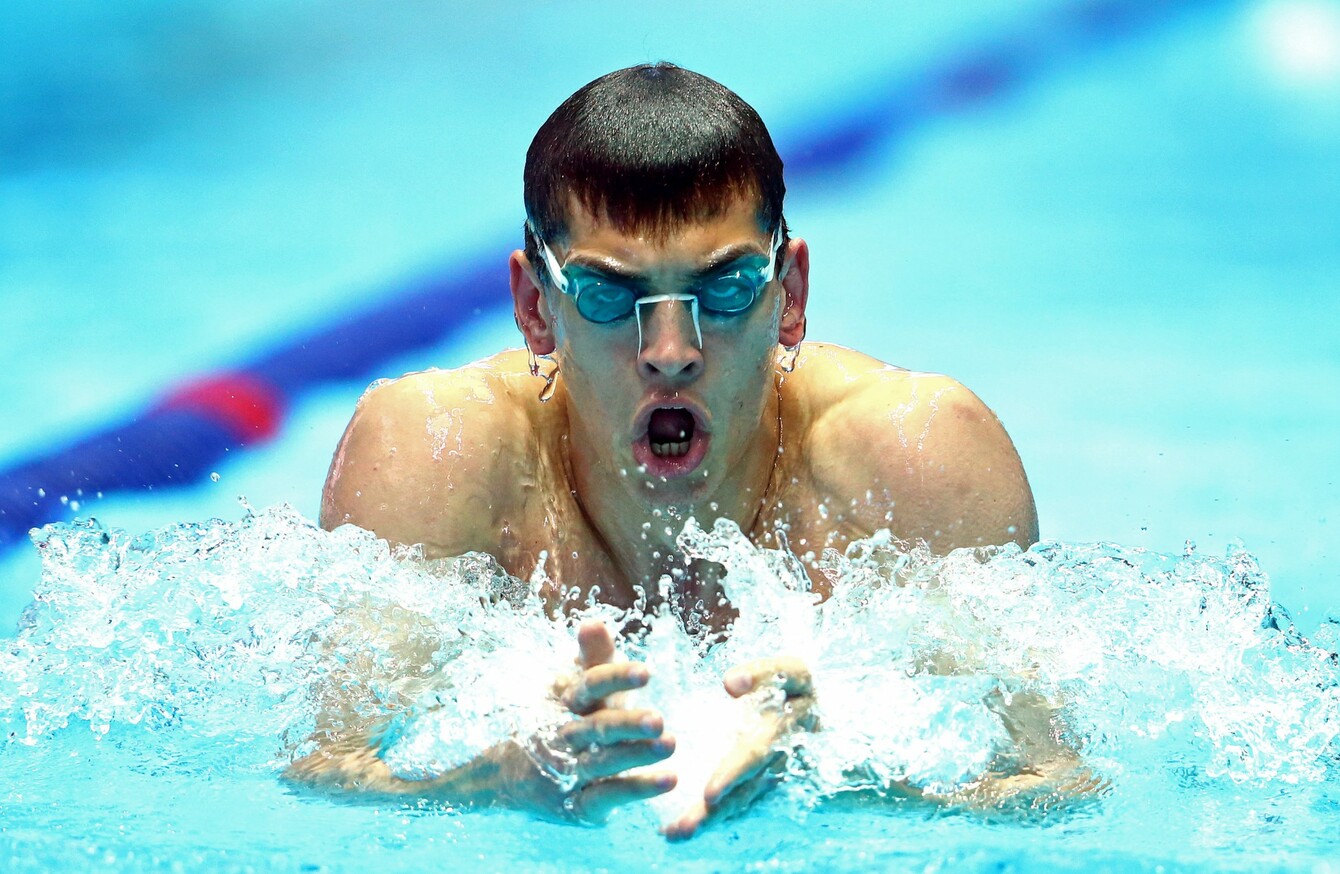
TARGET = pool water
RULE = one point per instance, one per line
(1126, 246)
(161, 683)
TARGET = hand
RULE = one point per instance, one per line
(596, 749)
(786, 696)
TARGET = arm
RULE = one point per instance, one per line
(923, 456)
(952, 474)
(432, 459)
(594, 750)
(1044, 771)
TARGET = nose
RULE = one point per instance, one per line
(670, 342)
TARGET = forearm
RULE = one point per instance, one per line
(354, 765)
(1039, 764)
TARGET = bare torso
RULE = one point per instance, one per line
(470, 459)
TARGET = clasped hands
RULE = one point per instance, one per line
(604, 740)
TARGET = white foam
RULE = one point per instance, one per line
(232, 635)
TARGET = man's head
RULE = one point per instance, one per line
(658, 273)
(649, 148)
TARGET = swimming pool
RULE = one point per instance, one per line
(1125, 246)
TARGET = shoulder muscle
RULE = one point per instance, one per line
(418, 461)
(935, 461)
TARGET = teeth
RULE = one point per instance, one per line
(674, 450)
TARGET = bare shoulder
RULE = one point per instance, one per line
(431, 457)
(916, 452)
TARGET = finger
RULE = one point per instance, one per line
(595, 684)
(596, 800)
(612, 760)
(786, 673)
(613, 726)
(741, 765)
(595, 643)
(688, 823)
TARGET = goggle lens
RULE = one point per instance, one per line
(601, 300)
(604, 300)
(731, 294)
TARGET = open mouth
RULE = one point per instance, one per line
(674, 441)
(670, 432)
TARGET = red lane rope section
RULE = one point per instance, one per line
(251, 409)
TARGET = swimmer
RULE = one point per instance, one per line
(661, 297)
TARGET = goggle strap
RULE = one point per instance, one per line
(770, 271)
(552, 266)
(690, 299)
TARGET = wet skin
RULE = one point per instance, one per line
(841, 447)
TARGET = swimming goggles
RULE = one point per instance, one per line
(603, 298)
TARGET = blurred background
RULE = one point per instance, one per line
(1118, 221)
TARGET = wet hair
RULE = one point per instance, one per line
(650, 148)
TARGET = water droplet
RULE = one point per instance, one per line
(41, 493)
(1012, 529)
(214, 477)
(65, 499)
(74, 505)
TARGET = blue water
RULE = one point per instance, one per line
(162, 681)
(1132, 258)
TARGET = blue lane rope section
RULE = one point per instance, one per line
(179, 439)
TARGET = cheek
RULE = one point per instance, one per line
(585, 342)
(749, 346)
(594, 362)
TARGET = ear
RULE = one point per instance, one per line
(528, 305)
(796, 283)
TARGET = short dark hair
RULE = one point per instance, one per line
(646, 148)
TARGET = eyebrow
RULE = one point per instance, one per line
(615, 268)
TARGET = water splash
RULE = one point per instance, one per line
(235, 643)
